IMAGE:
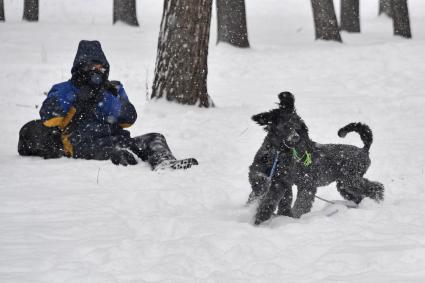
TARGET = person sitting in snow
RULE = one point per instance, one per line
(85, 117)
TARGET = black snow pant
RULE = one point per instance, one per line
(37, 140)
(151, 147)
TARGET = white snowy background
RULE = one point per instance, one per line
(69, 220)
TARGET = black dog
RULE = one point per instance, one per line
(35, 139)
(289, 157)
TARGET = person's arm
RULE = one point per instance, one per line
(58, 106)
(117, 108)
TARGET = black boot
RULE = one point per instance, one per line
(154, 149)
(176, 164)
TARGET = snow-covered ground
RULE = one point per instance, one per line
(71, 220)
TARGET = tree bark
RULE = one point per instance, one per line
(385, 8)
(231, 22)
(325, 22)
(2, 18)
(31, 10)
(181, 64)
(350, 18)
(125, 11)
(400, 17)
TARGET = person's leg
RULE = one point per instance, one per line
(114, 148)
(154, 149)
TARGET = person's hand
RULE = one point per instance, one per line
(86, 94)
(86, 101)
(123, 157)
(113, 87)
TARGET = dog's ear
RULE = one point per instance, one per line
(263, 119)
(304, 127)
(286, 101)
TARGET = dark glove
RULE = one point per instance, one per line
(112, 86)
(123, 157)
(86, 95)
(86, 103)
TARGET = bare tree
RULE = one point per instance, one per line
(31, 10)
(400, 17)
(385, 8)
(325, 22)
(181, 64)
(2, 19)
(125, 11)
(231, 22)
(350, 18)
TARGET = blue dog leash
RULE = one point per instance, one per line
(276, 158)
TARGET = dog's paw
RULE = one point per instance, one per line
(378, 192)
(253, 197)
(264, 212)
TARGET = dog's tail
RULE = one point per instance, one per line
(363, 130)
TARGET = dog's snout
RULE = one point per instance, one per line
(294, 137)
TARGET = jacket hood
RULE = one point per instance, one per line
(89, 52)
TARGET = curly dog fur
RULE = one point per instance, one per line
(306, 164)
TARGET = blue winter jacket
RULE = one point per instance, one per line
(112, 113)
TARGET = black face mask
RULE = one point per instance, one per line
(95, 79)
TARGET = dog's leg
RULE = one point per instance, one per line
(260, 183)
(268, 204)
(350, 190)
(370, 189)
(258, 173)
(284, 207)
(359, 188)
(304, 201)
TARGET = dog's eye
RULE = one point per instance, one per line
(294, 123)
(292, 126)
(293, 131)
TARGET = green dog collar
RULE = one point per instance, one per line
(305, 158)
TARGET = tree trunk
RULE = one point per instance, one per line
(401, 20)
(385, 8)
(350, 19)
(125, 11)
(231, 22)
(31, 10)
(2, 19)
(325, 21)
(181, 64)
